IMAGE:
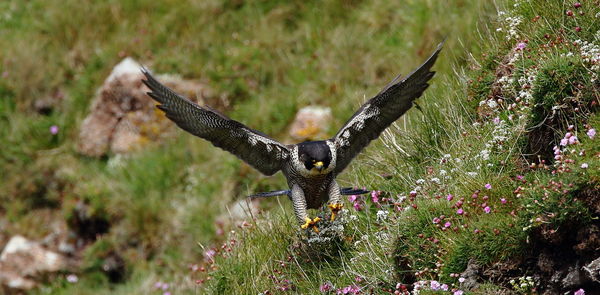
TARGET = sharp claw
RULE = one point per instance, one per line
(335, 208)
(311, 223)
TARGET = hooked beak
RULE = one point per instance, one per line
(319, 165)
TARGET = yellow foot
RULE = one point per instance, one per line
(311, 223)
(335, 208)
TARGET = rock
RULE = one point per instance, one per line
(123, 118)
(471, 275)
(23, 260)
(592, 270)
(575, 277)
(311, 123)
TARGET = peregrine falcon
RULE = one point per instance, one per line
(309, 167)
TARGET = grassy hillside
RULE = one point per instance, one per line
(470, 178)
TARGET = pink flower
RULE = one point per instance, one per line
(326, 287)
(444, 287)
(72, 278)
(579, 292)
(458, 292)
(487, 209)
(460, 280)
(591, 133)
(447, 224)
(521, 45)
(435, 285)
(460, 211)
(53, 129)
(503, 201)
(520, 177)
(357, 206)
(209, 254)
(564, 141)
(353, 289)
(449, 197)
(496, 120)
(573, 140)
(436, 220)
(375, 196)
(488, 186)
(352, 198)
(584, 165)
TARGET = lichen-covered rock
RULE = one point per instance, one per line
(123, 118)
(311, 123)
(22, 261)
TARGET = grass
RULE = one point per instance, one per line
(167, 204)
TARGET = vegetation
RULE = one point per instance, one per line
(500, 153)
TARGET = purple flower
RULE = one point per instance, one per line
(435, 285)
(447, 224)
(352, 289)
(326, 287)
(573, 140)
(357, 206)
(496, 120)
(487, 209)
(591, 133)
(352, 198)
(488, 186)
(209, 254)
(449, 197)
(53, 129)
(436, 220)
(375, 196)
(460, 211)
(72, 278)
(444, 287)
(458, 292)
(503, 201)
(579, 292)
(521, 45)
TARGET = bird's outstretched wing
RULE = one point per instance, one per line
(381, 111)
(253, 147)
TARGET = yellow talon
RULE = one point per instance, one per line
(335, 208)
(311, 222)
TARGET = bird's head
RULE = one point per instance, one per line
(315, 156)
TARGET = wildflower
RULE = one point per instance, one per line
(449, 197)
(209, 254)
(577, 4)
(447, 224)
(326, 287)
(458, 292)
(487, 209)
(53, 129)
(573, 140)
(382, 215)
(460, 211)
(72, 278)
(591, 133)
(503, 201)
(435, 285)
(488, 186)
(564, 141)
(436, 220)
(584, 165)
(357, 206)
(460, 280)
(352, 289)
(579, 292)
(521, 45)
(444, 287)
(352, 198)
(436, 180)
(375, 196)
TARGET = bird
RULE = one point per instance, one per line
(310, 167)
